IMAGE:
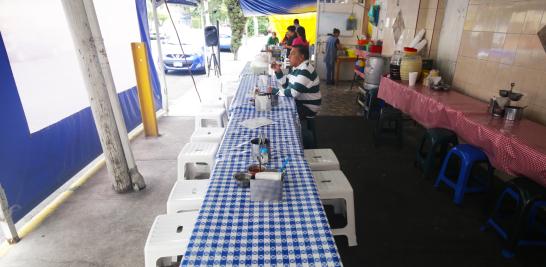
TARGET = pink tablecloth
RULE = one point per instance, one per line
(518, 148)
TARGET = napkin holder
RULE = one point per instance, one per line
(266, 187)
(262, 102)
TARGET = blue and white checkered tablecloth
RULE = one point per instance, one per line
(233, 230)
(283, 134)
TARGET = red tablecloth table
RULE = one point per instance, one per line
(515, 147)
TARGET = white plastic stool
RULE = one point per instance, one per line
(228, 98)
(205, 114)
(169, 236)
(209, 134)
(198, 154)
(215, 102)
(187, 195)
(321, 159)
(333, 186)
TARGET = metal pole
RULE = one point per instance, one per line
(6, 223)
(218, 36)
(85, 42)
(206, 11)
(160, 59)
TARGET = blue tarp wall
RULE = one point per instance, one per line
(277, 7)
(32, 166)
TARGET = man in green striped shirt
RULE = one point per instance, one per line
(302, 83)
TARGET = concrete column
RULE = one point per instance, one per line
(83, 24)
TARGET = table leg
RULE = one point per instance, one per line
(337, 70)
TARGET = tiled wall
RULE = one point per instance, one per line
(447, 47)
(499, 44)
(389, 11)
(430, 18)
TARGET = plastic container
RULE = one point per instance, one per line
(375, 49)
(394, 67)
(411, 62)
(363, 44)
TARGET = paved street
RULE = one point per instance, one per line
(183, 99)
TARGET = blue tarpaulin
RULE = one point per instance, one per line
(33, 165)
(277, 7)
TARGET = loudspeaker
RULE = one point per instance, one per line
(211, 36)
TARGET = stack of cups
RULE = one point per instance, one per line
(413, 78)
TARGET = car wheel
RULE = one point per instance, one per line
(166, 71)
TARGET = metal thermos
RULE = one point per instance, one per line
(375, 67)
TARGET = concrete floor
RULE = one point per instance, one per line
(98, 227)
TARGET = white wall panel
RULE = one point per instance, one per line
(44, 62)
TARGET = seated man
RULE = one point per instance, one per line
(302, 83)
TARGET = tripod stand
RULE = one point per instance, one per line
(217, 71)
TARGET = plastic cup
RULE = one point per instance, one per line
(413, 78)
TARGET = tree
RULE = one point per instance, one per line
(237, 21)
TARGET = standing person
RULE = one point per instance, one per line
(289, 38)
(301, 39)
(332, 46)
(273, 39)
(297, 24)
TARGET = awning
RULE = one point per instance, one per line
(182, 2)
(277, 7)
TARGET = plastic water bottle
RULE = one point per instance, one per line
(264, 154)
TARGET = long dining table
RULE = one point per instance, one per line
(231, 229)
(515, 147)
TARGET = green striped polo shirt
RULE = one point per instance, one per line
(303, 85)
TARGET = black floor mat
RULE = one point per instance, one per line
(402, 220)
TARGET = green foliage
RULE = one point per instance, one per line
(263, 23)
(237, 21)
(250, 27)
(218, 11)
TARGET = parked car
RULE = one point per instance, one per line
(193, 57)
(162, 36)
(225, 42)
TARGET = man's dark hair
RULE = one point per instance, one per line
(291, 28)
(296, 21)
(301, 32)
(304, 50)
(336, 30)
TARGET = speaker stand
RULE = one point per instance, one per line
(215, 63)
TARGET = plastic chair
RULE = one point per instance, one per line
(516, 212)
(187, 195)
(334, 188)
(208, 114)
(390, 122)
(200, 154)
(321, 159)
(469, 156)
(209, 134)
(440, 141)
(169, 236)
